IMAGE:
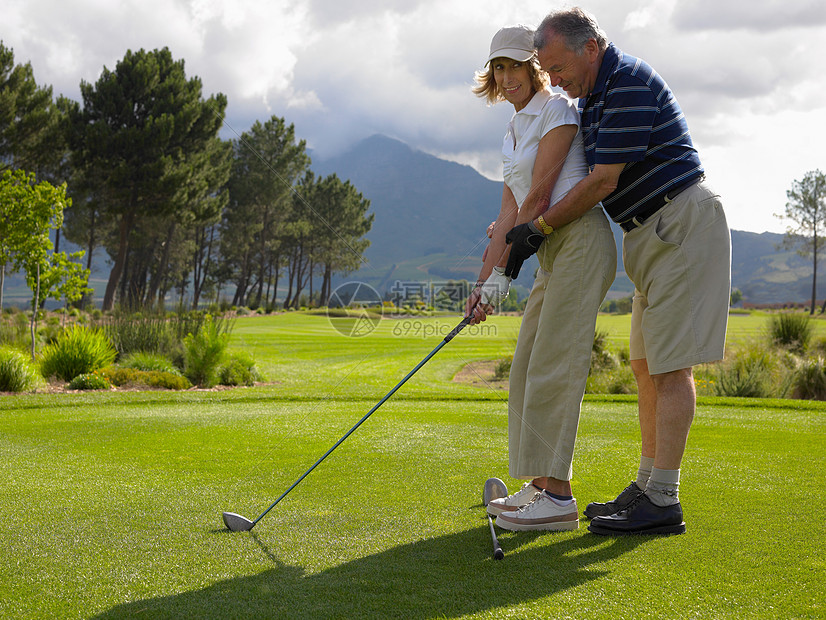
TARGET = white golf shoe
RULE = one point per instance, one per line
(515, 501)
(543, 513)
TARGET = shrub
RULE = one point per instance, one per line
(136, 333)
(617, 381)
(17, 373)
(809, 380)
(76, 351)
(239, 369)
(152, 378)
(14, 328)
(203, 353)
(601, 357)
(503, 368)
(142, 360)
(166, 380)
(817, 347)
(50, 332)
(90, 381)
(748, 373)
(791, 330)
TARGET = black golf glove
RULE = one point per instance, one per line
(525, 240)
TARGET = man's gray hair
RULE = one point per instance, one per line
(575, 25)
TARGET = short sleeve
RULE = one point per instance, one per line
(558, 111)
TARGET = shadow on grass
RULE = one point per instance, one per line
(447, 576)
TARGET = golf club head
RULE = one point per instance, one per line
(494, 489)
(237, 523)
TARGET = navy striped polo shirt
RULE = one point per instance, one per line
(632, 117)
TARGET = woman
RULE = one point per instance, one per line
(543, 159)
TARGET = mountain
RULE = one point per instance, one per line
(430, 214)
(430, 217)
(768, 274)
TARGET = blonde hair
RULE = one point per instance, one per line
(487, 89)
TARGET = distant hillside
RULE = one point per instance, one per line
(428, 210)
(430, 216)
(766, 274)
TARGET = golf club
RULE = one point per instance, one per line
(494, 489)
(238, 523)
(498, 554)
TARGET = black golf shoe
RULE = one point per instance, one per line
(628, 495)
(641, 517)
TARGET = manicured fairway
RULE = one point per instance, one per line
(742, 328)
(113, 501)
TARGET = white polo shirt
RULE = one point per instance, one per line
(545, 111)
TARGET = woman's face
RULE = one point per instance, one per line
(514, 81)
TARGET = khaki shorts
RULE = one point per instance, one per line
(680, 263)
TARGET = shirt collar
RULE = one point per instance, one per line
(536, 103)
(610, 60)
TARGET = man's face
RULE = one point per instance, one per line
(572, 72)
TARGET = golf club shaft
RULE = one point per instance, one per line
(447, 339)
(497, 549)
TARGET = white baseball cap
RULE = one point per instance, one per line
(514, 42)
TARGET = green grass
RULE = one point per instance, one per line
(113, 500)
(741, 327)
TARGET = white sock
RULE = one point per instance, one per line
(558, 501)
(644, 472)
(663, 487)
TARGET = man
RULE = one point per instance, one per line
(676, 248)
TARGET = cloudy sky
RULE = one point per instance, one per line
(748, 74)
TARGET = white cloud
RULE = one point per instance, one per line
(748, 79)
(761, 16)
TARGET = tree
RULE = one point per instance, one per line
(338, 213)
(202, 199)
(28, 211)
(268, 163)
(136, 135)
(57, 276)
(806, 210)
(85, 224)
(30, 130)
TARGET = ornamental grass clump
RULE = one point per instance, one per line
(132, 377)
(791, 330)
(809, 381)
(142, 360)
(755, 372)
(14, 328)
(203, 353)
(137, 333)
(90, 381)
(17, 373)
(76, 351)
(239, 369)
(502, 370)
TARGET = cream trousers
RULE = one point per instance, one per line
(578, 264)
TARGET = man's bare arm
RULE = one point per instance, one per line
(584, 195)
